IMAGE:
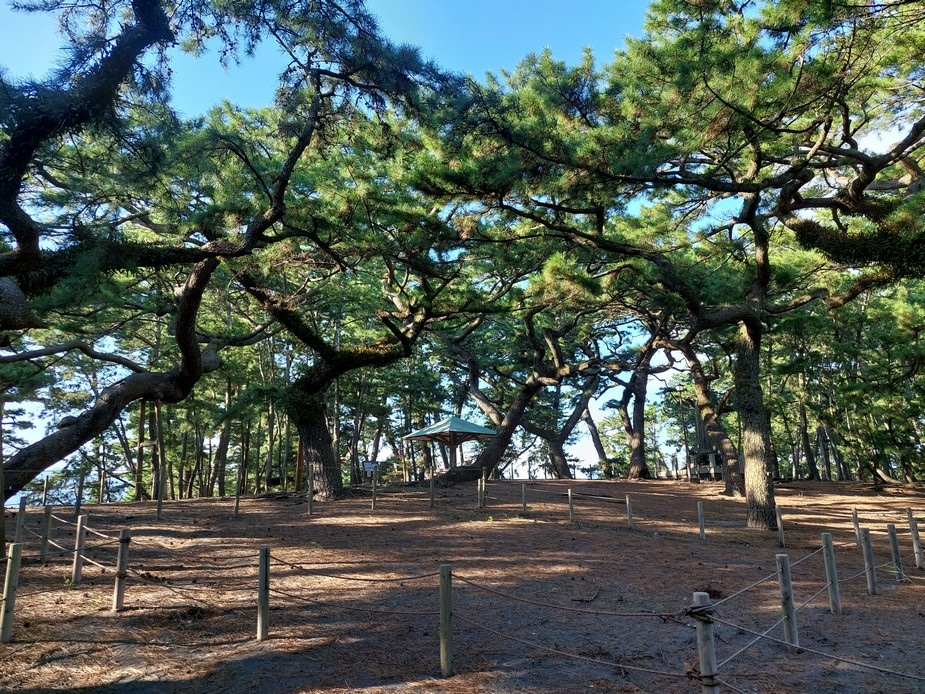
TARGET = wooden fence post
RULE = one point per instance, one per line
(629, 512)
(781, 541)
(46, 535)
(869, 568)
(857, 526)
(897, 557)
(9, 591)
(118, 594)
(786, 602)
(916, 540)
(701, 521)
(446, 620)
(432, 496)
(831, 575)
(523, 499)
(571, 507)
(263, 594)
(374, 487)
(706, 646)
(20, 521)
(79, 543)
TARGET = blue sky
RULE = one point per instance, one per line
(471, 36)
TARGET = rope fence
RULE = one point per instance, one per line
(256, 586)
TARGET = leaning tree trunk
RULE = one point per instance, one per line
(602, 460)
(497, 445)
(756, 430)
(716, 433)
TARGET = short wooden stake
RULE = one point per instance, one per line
(79, 543)
(45, 491)
(523, 499)
(629, 511)
(46, 535)
(916, 540)
(9, 591)
(897, 557)
(446, 620)
(831, 575)
(20, 520)
(857, 526)
(571, 508)
(701, 521)
(263, 594)
(869, 568)
(781, 540)
(484, 495)
(432, 497)
(706, 645)
(786, 603)
(118, 593)
(374, 488)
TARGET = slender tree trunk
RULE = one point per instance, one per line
(808, 451)
(756, 435)
(602, 460)
(245, 455)
(271, 438)
(181, 471)
(140, 494)
(823, 441)
(221, 457)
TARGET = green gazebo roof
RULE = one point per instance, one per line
(451, 431)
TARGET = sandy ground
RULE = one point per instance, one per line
(542, 603)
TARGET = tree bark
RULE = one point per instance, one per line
(491, 455)
(756, 435)
(310, 419)
(717, 435)
(634, 420)
(602, 460)
(168, 387)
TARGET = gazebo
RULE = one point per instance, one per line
(451, 431)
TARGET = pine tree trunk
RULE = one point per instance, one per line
(491, 455)
(558, 461)
(221, 457)
(140, 494)
(317, 446)
(602, 460)
(634, 421)
(756, 434)
(806, 444)
(716, 434)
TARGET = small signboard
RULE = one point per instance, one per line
(370, 467)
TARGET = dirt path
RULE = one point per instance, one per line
(541, 604)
